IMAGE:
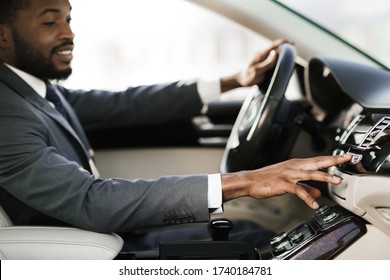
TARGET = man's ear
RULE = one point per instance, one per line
(5, 36)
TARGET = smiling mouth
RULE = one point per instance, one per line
(65, 54)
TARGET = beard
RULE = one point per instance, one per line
(30, 60)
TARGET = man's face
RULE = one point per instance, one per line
(43, 39)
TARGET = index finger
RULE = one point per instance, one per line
(323, 162)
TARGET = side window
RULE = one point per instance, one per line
(128, 43)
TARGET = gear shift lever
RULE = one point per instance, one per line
(220, 228)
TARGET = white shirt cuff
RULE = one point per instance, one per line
(215, 193)
(209, 90)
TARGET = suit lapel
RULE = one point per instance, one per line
(20, 87)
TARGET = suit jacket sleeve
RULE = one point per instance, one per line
(142, 105)
(41, 167)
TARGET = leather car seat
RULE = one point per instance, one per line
(54, 243)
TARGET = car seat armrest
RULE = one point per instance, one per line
(42, 243)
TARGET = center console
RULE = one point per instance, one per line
(330, 231)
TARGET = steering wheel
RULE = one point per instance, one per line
(254, 121)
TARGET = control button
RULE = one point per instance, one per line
(330, 217)
(278, 238)
(281, 243)
(282, 247)
(322, 209)
(356, 158)
(297, 237)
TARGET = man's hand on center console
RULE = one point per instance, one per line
(281, 178)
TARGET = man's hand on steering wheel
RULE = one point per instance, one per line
(254, 74)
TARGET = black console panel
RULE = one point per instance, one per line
(331, 230)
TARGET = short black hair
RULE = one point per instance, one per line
(9, 9)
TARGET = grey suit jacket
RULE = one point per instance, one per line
(45, 178)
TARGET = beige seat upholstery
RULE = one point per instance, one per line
(44, 243)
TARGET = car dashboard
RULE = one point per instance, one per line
(363, 92)
(352, 102)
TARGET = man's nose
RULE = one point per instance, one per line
(66, 32)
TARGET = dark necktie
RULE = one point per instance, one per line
(52, 96)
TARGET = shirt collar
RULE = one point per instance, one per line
(37, 84)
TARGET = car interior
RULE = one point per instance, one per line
(324, 97)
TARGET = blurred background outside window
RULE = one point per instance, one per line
(129, 43)
(134, 42)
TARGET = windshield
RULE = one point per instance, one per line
(362, 23)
